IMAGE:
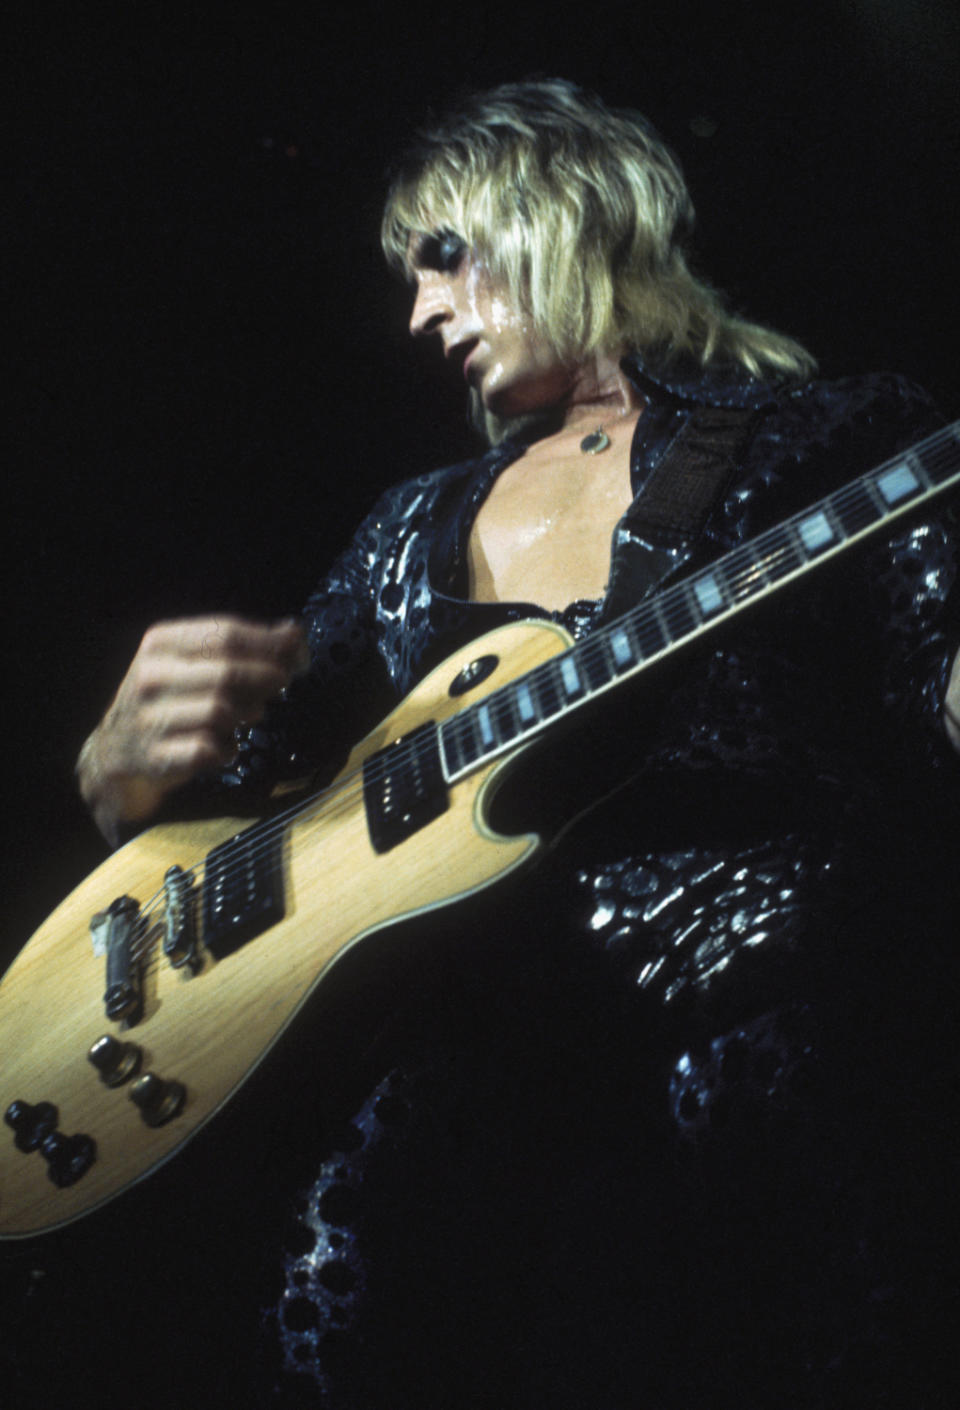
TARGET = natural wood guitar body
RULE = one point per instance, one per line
(486, 703)
(210, 1031)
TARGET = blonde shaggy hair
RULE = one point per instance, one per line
(583, 212)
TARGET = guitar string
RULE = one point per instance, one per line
(744, 572)
(675, 609)
(675, 605)
(738, 570)
(342, 790)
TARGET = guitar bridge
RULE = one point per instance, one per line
(113, 932)
(404, 787)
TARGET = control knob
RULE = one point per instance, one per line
(158, 1100)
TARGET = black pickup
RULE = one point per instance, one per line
(404, 787)
(242, 888)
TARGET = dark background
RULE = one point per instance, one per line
(210, 377)
(209, 374)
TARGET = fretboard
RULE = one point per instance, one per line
(661, 625)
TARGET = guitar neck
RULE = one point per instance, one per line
(656, 628)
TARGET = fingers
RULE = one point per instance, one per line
(241, 685)
(242, 661)
(228, 639)
(174, 716)
(208, 674)
(176, 756)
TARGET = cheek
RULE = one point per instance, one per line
(505, 320)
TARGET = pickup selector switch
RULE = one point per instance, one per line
(115, 1060)
(158, 1100)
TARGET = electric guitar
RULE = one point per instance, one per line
(145, 1001)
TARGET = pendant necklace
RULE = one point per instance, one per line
(596, 442)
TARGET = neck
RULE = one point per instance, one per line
(601, 392)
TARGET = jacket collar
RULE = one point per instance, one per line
(687, 381)
(674, 386)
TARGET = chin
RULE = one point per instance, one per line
(493, 427)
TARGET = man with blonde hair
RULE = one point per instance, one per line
(624, 1146)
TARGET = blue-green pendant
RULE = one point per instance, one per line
(597, 441)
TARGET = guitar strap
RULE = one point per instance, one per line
(668, 517)
(698, 466)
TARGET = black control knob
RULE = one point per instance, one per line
(158, 1101)
(31, 1124)
(115, 1061)
(68, 1157)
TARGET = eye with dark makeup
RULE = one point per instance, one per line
(441, 251)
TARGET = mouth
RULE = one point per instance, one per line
(462, 353)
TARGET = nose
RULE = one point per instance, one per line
(433, 305)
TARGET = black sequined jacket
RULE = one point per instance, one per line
(738, 901)
(779, 745)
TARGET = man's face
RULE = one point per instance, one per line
(512, 366)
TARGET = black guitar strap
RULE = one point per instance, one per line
(669, 515)
(694, 473)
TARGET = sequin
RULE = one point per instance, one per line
(734, 881)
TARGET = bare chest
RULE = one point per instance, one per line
(544, 533)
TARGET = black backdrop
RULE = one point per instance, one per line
(209, 373)
(210, 376)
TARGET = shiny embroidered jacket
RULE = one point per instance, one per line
(710, 974)
(776, 749)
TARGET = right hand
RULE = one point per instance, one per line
(189, 686)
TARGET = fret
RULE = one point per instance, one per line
(932, 464)
(858, 507)
(547, 691)
(745, 574)
(521, 708)
(648, 631)
(688, 597)
(595, 668)
(506, 722)
(784, 556)
(463, 735)
(939, 460)
(880, 508)
(679, 616)
(450, 748)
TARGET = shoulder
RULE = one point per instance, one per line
(405, 500)
(413, 514)
(809, 439)
(404, 509)
(880, 408)
(822, 433)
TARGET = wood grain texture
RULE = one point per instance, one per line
(211, 1030)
